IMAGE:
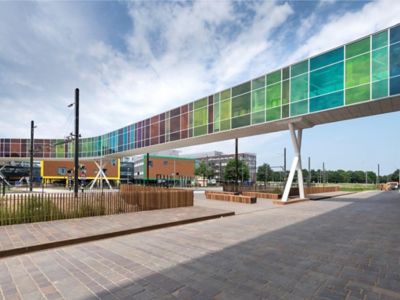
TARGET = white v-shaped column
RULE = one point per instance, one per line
(296, 164)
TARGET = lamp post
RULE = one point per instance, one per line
(76, 138)
(31, 157)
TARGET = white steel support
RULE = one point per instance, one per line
(2, 177)
(296, 164)
(100, 176)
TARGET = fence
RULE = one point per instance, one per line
(294, 191)
(28, 208)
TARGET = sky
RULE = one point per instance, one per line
(132, 60)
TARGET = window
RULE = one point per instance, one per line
(165, 162)
(62, 171)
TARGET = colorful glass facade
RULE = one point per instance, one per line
(365, 70)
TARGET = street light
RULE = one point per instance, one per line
(31, 157)
(76, 138)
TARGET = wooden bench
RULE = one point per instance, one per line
(231, 197)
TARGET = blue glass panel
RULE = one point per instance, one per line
(326, 80)
(326, 101)
(395, 85)
(395, 34)
(327, 58)
(395, 60)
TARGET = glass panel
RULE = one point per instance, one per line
(285, 111)
(273, 113)
(200, 117)
(226, 125)
(273, 95)
(285, 73)
(395, 85)
(395, 34)
(326, 101)
(327, 58)
(380, 89)
(241, 105)
(258, 82)
(200, 103)
(380, 64)
(216, 97)
(258, 117)
(395, 60)
(358, 70)
(299, 88)
(226, 110)
(358, 94)
(258, 100)
(358, 47)
(241, 121)
(226, 94)
(380, 39)
(274, 77)
(216, 116)
(299, 68)
(285, 92)
(241, 89)
(200, 130)
(326, 80)
(299, 108)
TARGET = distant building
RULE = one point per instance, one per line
(164, 169)
(218, 160)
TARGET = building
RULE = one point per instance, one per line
(62, 171)
(218, 160)
(164, 169)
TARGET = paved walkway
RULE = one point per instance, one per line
(339, 248)
(23, 238)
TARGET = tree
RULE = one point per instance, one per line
(204, 170)
(230, 171)
(264, 173)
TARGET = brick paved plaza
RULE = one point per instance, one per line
(340, 248)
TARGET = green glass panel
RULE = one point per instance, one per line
(380, 39)
(395, 85)
(285, 73)
(274, 77)
(200, 103)
(60, 149)
(273, 95)
(200, 117)
(258, 117)
(226, 109)
(299, 88)
(358, 70)
(273, 114)
(285, 111)
(394, 60)
(200, 130)
(258, 100)
(380, 64)
(299, 108)
(327, 58)
(358, 94)
(326, 80)
(216, 97)
(358, 47)
(226, 125)
(226, 94)
(380, 89)
(241, 105)
(216, 116)
(299, 68)
(241, 121)
(326, 101)
(241, 89)
(258, 83)
(191, 119)
(285, 92)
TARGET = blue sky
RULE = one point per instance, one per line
(123, 54)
